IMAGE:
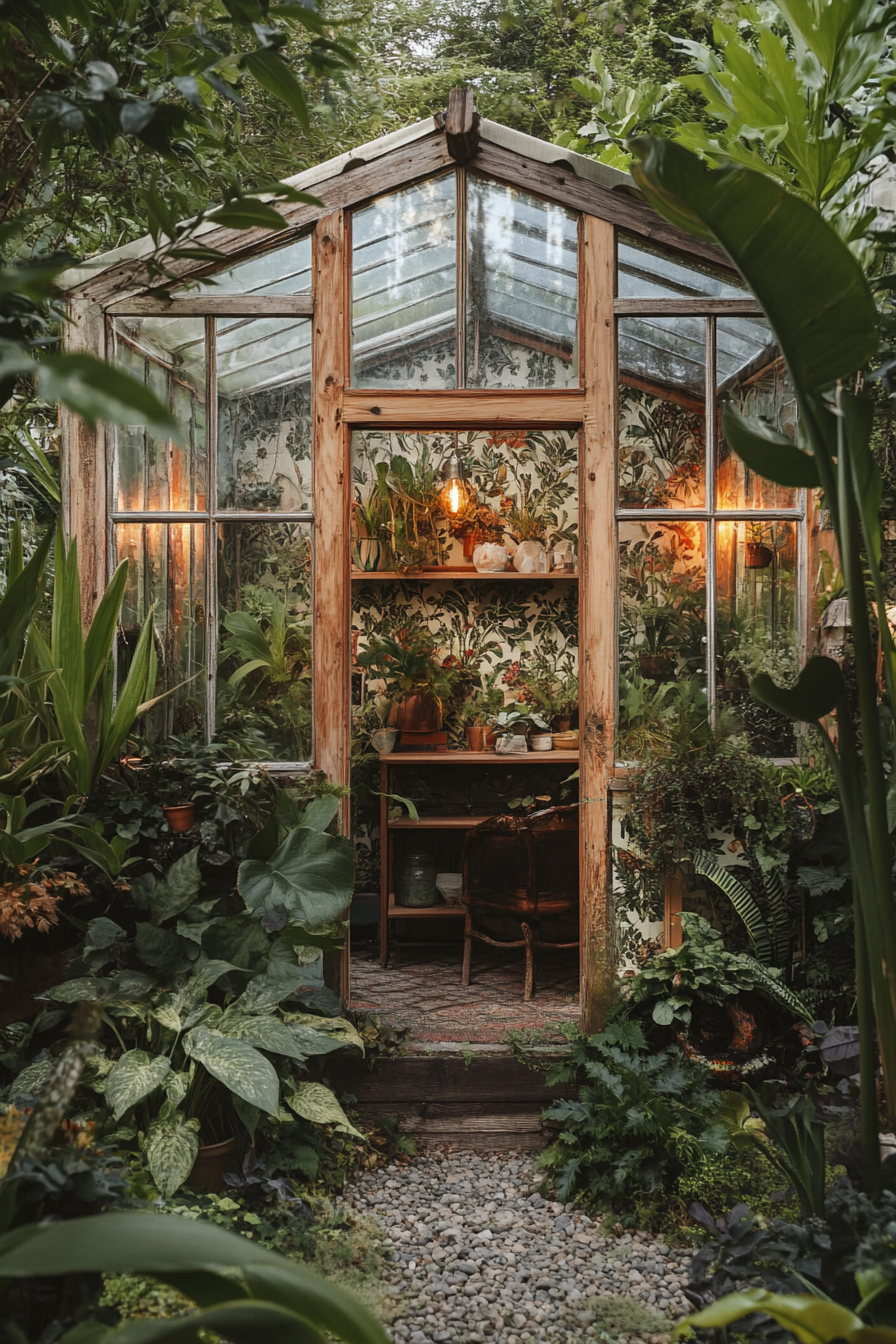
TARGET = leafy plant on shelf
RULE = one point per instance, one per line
(672, 983)
(409, 663)
(547, 679)
(640, 1118)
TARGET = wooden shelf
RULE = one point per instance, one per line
(396, 911)
(479, 758)
(437, 823)
(449, 574)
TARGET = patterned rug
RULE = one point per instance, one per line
(422, 991)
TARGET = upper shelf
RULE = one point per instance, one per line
(451, 573)
(479, 758)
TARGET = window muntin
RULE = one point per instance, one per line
(280, 270)
(404, 288)
(647, 272)
(517, 326)
(522, 289)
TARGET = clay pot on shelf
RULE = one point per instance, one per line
(757, 556)
(419, 714)
(368, 553)
(179, 816)
(383, 740)
(560, 723)
(415, 880)
(477, 734)
(212, 1160)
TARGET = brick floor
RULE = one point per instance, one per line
(422, 990)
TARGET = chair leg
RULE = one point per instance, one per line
(529, 988)
(468, 952)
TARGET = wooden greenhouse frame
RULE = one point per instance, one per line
(117, 284)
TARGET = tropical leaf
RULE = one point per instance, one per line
(309, 877)
(314, 1102)
(237, 1065)
(135, 1075)
(171, 1147)
(178, 888)
(813, 1320)
(815, 694)
(767, 452)
(742, 902)
(267, 1033)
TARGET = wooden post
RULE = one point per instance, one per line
(462, 125)
(83, 464)
(673, 905)
(332, 584)
(597, 616)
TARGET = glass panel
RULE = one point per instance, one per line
(753, 377)
(522, 289)
(166, 568)
(649, 273)
(520, 486)
(756, 624)
(264, 602)
(168, 355)
(264, 413)
(662, 622)
(284, 270)
(662, 420)
(404, 288)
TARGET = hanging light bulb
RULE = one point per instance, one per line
(455, 493)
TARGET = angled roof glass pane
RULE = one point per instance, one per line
(649, 273)
(522, 289)
(743, 345)
(280, 270)
(404, 288)
(254, 354)
(665, 352)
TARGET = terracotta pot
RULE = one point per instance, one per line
(476, 738)
(419, 714)
(560, 723)
(180, 816)
(757, 557)
(212, 1160)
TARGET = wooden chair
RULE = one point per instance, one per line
(525, 869)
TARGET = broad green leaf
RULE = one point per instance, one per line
(239, 939)
(171, 1147)
(102, 932)
(98, 391)
(267, 1033)
(309, 877)
(320, 812)
(274, 74)
(248, 213)
(275, 984)
(314, 1102)
(249, 1114)
(814, 695)
(813, 1320)
(237, 1065)
(810, 286)
(178, 888)
(86, 989)
(769, 454)
(135, 1076)
(32, 1080)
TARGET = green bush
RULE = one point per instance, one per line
(720, 1181)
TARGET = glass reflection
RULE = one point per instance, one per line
(662, 596)
(646, 272)
(753, 378)
(284, 270)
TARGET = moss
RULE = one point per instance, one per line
(623, 1316)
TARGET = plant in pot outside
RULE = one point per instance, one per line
(409, 665)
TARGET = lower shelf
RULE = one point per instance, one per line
(423, 912)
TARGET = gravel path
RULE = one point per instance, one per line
(478, 1254)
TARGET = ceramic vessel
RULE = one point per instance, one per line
(212, 1160)
(531, 558)
(450, 886)
(368, 553)
(490, 558)
(560, 723)
(180, 816)
(384, 739)
(511, 744)
(541, 742)
(757, 556)
(415, 880)
(477, 736)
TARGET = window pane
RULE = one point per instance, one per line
(167, 569)
(756, 624)
(522, 289)
(649, 273)
(662, 421)
(285, 270)
(404, 288)
(264, 617)
(168, 355)
(662, 601)
(264, 413)
(752, 376)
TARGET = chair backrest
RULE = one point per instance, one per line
(555, 834)
(499, 864)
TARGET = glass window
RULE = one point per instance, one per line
(264, 683)
(752, 376)
(756, 623)
(168, 355)
(646, 272)
(281, 270)
(522, 289)
(662, 421)
(404, 288)
(264, 414)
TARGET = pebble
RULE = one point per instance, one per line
(476, 1254)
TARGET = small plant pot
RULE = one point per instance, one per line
(541, 742)
(560, 723)
(180, 816)
(477, 736)
(384, 739)
(212, 1160)
(419, 714)
(757, 556)
(368, 554)
(511, 744)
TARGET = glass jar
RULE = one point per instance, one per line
(415, 879)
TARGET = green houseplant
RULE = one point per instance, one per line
(409, 665)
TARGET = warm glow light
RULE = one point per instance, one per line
(453, 497)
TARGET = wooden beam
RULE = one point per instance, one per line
(462, 125)
(597, 618)
(673, 904)
(687, 308)
(440, 410)
(217, 305)
(83, 464)
(558, 182)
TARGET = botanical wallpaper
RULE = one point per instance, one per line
(492, 361)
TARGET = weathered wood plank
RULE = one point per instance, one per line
(687, 307)
(439, 410)
(444, 1079)
(212, 305)
(558, 182)
(83, 464)
(597, 617)
(462, 125)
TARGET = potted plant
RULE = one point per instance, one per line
(512, 727)
(756, 554)
(476, 715)
(370, 529)
(527, 522)
(409, 665)
(549, 682)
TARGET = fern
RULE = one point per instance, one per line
(742, 901)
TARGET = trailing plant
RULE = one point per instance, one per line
(639, 1120)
